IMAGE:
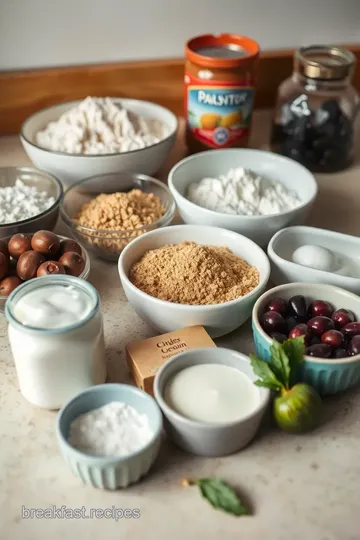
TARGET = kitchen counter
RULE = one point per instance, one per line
(298, 487)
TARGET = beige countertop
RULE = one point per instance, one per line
(300, 487)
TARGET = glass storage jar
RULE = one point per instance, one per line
(55, 329)
(316, 110)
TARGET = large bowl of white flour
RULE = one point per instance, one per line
(78, 139)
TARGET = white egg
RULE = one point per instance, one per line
(315, 257)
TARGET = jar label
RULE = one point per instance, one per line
(218, 113)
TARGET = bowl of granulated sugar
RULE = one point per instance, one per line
(187, 275)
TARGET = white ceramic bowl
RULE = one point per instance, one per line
(285, 242)
(70, 168)
(272, 166)
(211, 439)
(218, 319)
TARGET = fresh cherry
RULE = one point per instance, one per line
(340, 353)
(278, 337)
(351, 329)
(341, 317)
(354, 346)
(291, 322)
(279, 305)
(297, 307)
(334, 338)
(315, 340)
(273, 322)
(301, 330)
(319, 325)
(320, 308)
(319, 351)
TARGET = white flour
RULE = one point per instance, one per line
(21, 202)
(241, 191)
(99, 126)
(116, 429)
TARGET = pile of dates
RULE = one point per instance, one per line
(27, 256)
(328, 333)
(322, 140)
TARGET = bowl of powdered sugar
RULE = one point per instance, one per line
(110, 435)
(78, 139)
(29, 200)
(252, 192)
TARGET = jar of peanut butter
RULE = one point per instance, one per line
(219, 90)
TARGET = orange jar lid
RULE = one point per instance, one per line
(223, 51)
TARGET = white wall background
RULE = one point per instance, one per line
(39, 33)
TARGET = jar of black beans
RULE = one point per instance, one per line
(316, 110)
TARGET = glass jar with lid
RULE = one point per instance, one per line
(316, 110)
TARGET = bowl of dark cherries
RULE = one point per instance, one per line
(327, 317)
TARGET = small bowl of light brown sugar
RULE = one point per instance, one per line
(188, 275)
(107, 212)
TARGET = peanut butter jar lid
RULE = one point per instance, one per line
(223, 51)
(324, 62)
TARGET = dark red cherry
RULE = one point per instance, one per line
(351, 329)
(334, 338)
(279, 305)
(301, 330)
(291, 322)
(320, 308)
(273, 322)
(319, 325)
(341, 317)
(278, 337)
(340, 353)
(354, 346)
(319, 351)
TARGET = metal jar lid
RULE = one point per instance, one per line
(324, 62)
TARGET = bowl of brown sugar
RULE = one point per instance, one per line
(187, 275)
(108, 211)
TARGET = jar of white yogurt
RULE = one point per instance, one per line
(56, 337)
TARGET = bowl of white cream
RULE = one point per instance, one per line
(251, 192)
(79, 139)
(209, 400)
(110, 435)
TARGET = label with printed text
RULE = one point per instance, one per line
(218, 113)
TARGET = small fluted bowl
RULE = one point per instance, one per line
(109, 472)
(326, 375)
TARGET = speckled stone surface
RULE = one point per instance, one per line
(298, 488)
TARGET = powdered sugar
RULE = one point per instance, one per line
(100, 126)
(116, 429)
(21, 202)
(242, 192)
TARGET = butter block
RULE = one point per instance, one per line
(145, 357)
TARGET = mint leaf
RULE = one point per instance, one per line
(295, 351)
(279, 363)
(263, 370)
(221, 496)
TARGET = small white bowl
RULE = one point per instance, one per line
(272, 166)
(212, 439)
(218, 319)
(285, 242)
(70, 168)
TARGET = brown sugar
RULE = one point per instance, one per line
(121, 211)
(188, 273)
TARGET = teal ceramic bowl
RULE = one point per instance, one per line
(327, 376)
(109, 472)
